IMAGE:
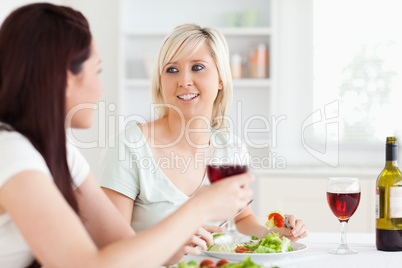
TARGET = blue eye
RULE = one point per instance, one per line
(197, 67)
(171, 70)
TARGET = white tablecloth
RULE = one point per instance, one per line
(316, 254)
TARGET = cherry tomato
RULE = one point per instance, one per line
(222, 262)
(278, 219)
(207, 263)
(241, 249)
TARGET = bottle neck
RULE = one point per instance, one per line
(391, 155)
(389, 164)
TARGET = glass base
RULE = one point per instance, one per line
(343, 250)
(232, 238)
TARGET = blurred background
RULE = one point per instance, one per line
(316, 88)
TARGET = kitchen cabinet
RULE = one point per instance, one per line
(143, 26)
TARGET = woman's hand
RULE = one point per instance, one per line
(200, 239)
(299, 229)
(223, 199)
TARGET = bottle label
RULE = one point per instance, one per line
(377, 203)
(395, 202)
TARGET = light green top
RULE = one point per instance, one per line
(129, 167)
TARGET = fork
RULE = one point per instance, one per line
(287, 223)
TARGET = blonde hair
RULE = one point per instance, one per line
(182, 42)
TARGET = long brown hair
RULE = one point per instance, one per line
(39, 43)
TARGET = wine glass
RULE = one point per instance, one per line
(343, 196)
(222, 161)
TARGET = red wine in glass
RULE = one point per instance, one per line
(343, 205)
(218, 172)
(343, 196)
(222, 162)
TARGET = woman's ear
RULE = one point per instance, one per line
(70, 83)
(220, 85)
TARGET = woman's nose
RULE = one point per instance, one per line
(186, 81)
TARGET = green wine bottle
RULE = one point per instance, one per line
(389, 201)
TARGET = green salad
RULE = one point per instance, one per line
(246, 263)
(272, 243)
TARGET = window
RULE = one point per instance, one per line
(358, 61)
(338, 79)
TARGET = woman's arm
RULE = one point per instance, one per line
(103, 221)
(248, 223)
(203, 236)
(124, 204)
(53, 231)
(59, 239)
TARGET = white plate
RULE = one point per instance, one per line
(297, 248)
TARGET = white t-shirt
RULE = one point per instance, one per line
(128, 167)
(17, 154)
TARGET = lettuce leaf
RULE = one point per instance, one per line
(228, 248)
(272, 243)
(285, 246)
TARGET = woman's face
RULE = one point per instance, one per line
(191, 84)
(83, 92)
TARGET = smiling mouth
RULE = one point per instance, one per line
(188, 96)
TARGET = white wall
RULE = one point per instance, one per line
(292, 94)
(103, 17)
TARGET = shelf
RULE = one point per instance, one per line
(244, 82)
(252, 82)
(258, 31)
(254, 31)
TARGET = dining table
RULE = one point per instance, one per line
(316, 253)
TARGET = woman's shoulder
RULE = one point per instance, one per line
(145, 131)
(14, 140)
(131, 134)
(131, 130)
(17, 154)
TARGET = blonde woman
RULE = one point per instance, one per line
(158, 166)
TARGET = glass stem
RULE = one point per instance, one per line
(231, 226)
(344, 243)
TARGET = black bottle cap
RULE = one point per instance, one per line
(391, 149)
